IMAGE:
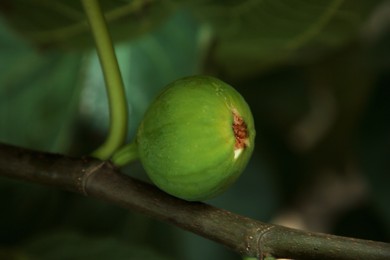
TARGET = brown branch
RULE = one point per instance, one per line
(246, 236)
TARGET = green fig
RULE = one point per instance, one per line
(196, 138)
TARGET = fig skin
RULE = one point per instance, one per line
(187, 142)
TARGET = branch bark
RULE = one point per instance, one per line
(248, 237)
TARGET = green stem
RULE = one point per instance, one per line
(112, 76)
(126, 155)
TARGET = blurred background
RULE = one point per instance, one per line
(316, 75)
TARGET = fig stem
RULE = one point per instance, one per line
(126, 155)
(113, 80)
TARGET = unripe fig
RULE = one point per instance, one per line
(196, 138)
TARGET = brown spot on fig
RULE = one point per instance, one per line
(240, 130)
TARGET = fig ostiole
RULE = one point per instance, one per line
(196, 138)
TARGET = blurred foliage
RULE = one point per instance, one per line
(39, 94)
(62, 24)
(257, 35)
(315, 73)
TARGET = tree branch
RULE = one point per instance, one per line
(248, 237)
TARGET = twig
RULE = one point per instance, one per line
(246, 236)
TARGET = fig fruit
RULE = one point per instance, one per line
(196, 138)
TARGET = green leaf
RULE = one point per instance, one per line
(38, 95)
(147, 65)
(254, 35)
(62, 23)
